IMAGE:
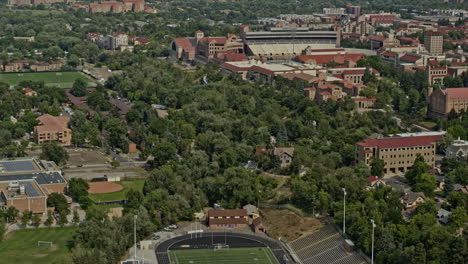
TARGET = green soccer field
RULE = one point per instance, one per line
(60, 79)
(231, 255)
(21, 246)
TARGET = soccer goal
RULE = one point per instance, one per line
(44, 243)
(217, 247)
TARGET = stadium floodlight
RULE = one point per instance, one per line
(373, 227)
(134, 235)
(344, 210)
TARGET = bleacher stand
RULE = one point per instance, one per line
(324, 246)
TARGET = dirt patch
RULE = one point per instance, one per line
(80, 157)
(104, 187)
(288, 225)
(115, 212)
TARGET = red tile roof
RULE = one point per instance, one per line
(456, 92)
(389, 54)
(235, 57)
(217, 40)
(327, 58)
(396, 142)
(186, 43)
(372, 179)
(410, 58)
(227, 212)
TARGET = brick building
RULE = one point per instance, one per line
(26, 183)
(398, 153)
(229, 218)
(53, 128)
(443, 101)
(118, 7)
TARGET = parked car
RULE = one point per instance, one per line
(167, 229)
(156, 237)
(174, 226)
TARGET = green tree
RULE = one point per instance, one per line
(76, 217)
(36, 220)
(54, 152)
(26, 217)
(58, 201)
(377, 167)
(458, 217)
(79, 87)
(2, 228)
(425, 183)
(419, 167)
(62, 218)
(50, 218)
(77, 188)
(12, 214)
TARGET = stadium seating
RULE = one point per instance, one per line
(324, 246)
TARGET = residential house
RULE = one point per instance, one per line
(443, 216)
(373, 182)
(285, 155)
(410, 200)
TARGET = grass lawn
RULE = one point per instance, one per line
(119, 195)
(428, 124)
(21, 246)
(60, 79)
(231, 255)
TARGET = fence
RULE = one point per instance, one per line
(113, 202)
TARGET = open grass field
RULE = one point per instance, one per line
(119, 195)
(60, 79)
(224, 256)
(21, 246)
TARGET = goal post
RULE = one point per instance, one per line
(44, 243)
(217, 247)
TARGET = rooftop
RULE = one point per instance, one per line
(227, 212)
(396, 142)
(22, 165)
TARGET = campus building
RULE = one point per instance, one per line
(26, 183)
(53, 129)
(444, 101)
(228, 218)
(433, 42)
(398, 153)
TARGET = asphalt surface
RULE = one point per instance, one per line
(207, 239)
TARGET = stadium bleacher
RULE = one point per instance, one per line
(324, 246)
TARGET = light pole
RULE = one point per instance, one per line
(134, 234)
(344, 210)
(372, 254)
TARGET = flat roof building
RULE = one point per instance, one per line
(26, 183)
(228, 218)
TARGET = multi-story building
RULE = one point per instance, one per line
(433, 42)
(206, 48)
(36, 2)
(26, 183)
(436, 74)
(53, 129)
(398, 153)
(333, 11)
(444, 101)
(353, 10)
(118, 7)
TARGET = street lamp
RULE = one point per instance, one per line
(134, 234)
(372, 254)
(344, 210)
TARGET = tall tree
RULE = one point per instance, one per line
(54, 152)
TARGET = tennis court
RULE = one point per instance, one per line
(256, 255)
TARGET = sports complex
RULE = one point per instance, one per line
(221, 247)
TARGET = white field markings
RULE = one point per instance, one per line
(268, 255)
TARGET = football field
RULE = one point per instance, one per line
(255, 255)
(59, 79)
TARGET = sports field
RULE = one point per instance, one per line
(255, 255)
(136, 185)
(21, 246)
(60, 79)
